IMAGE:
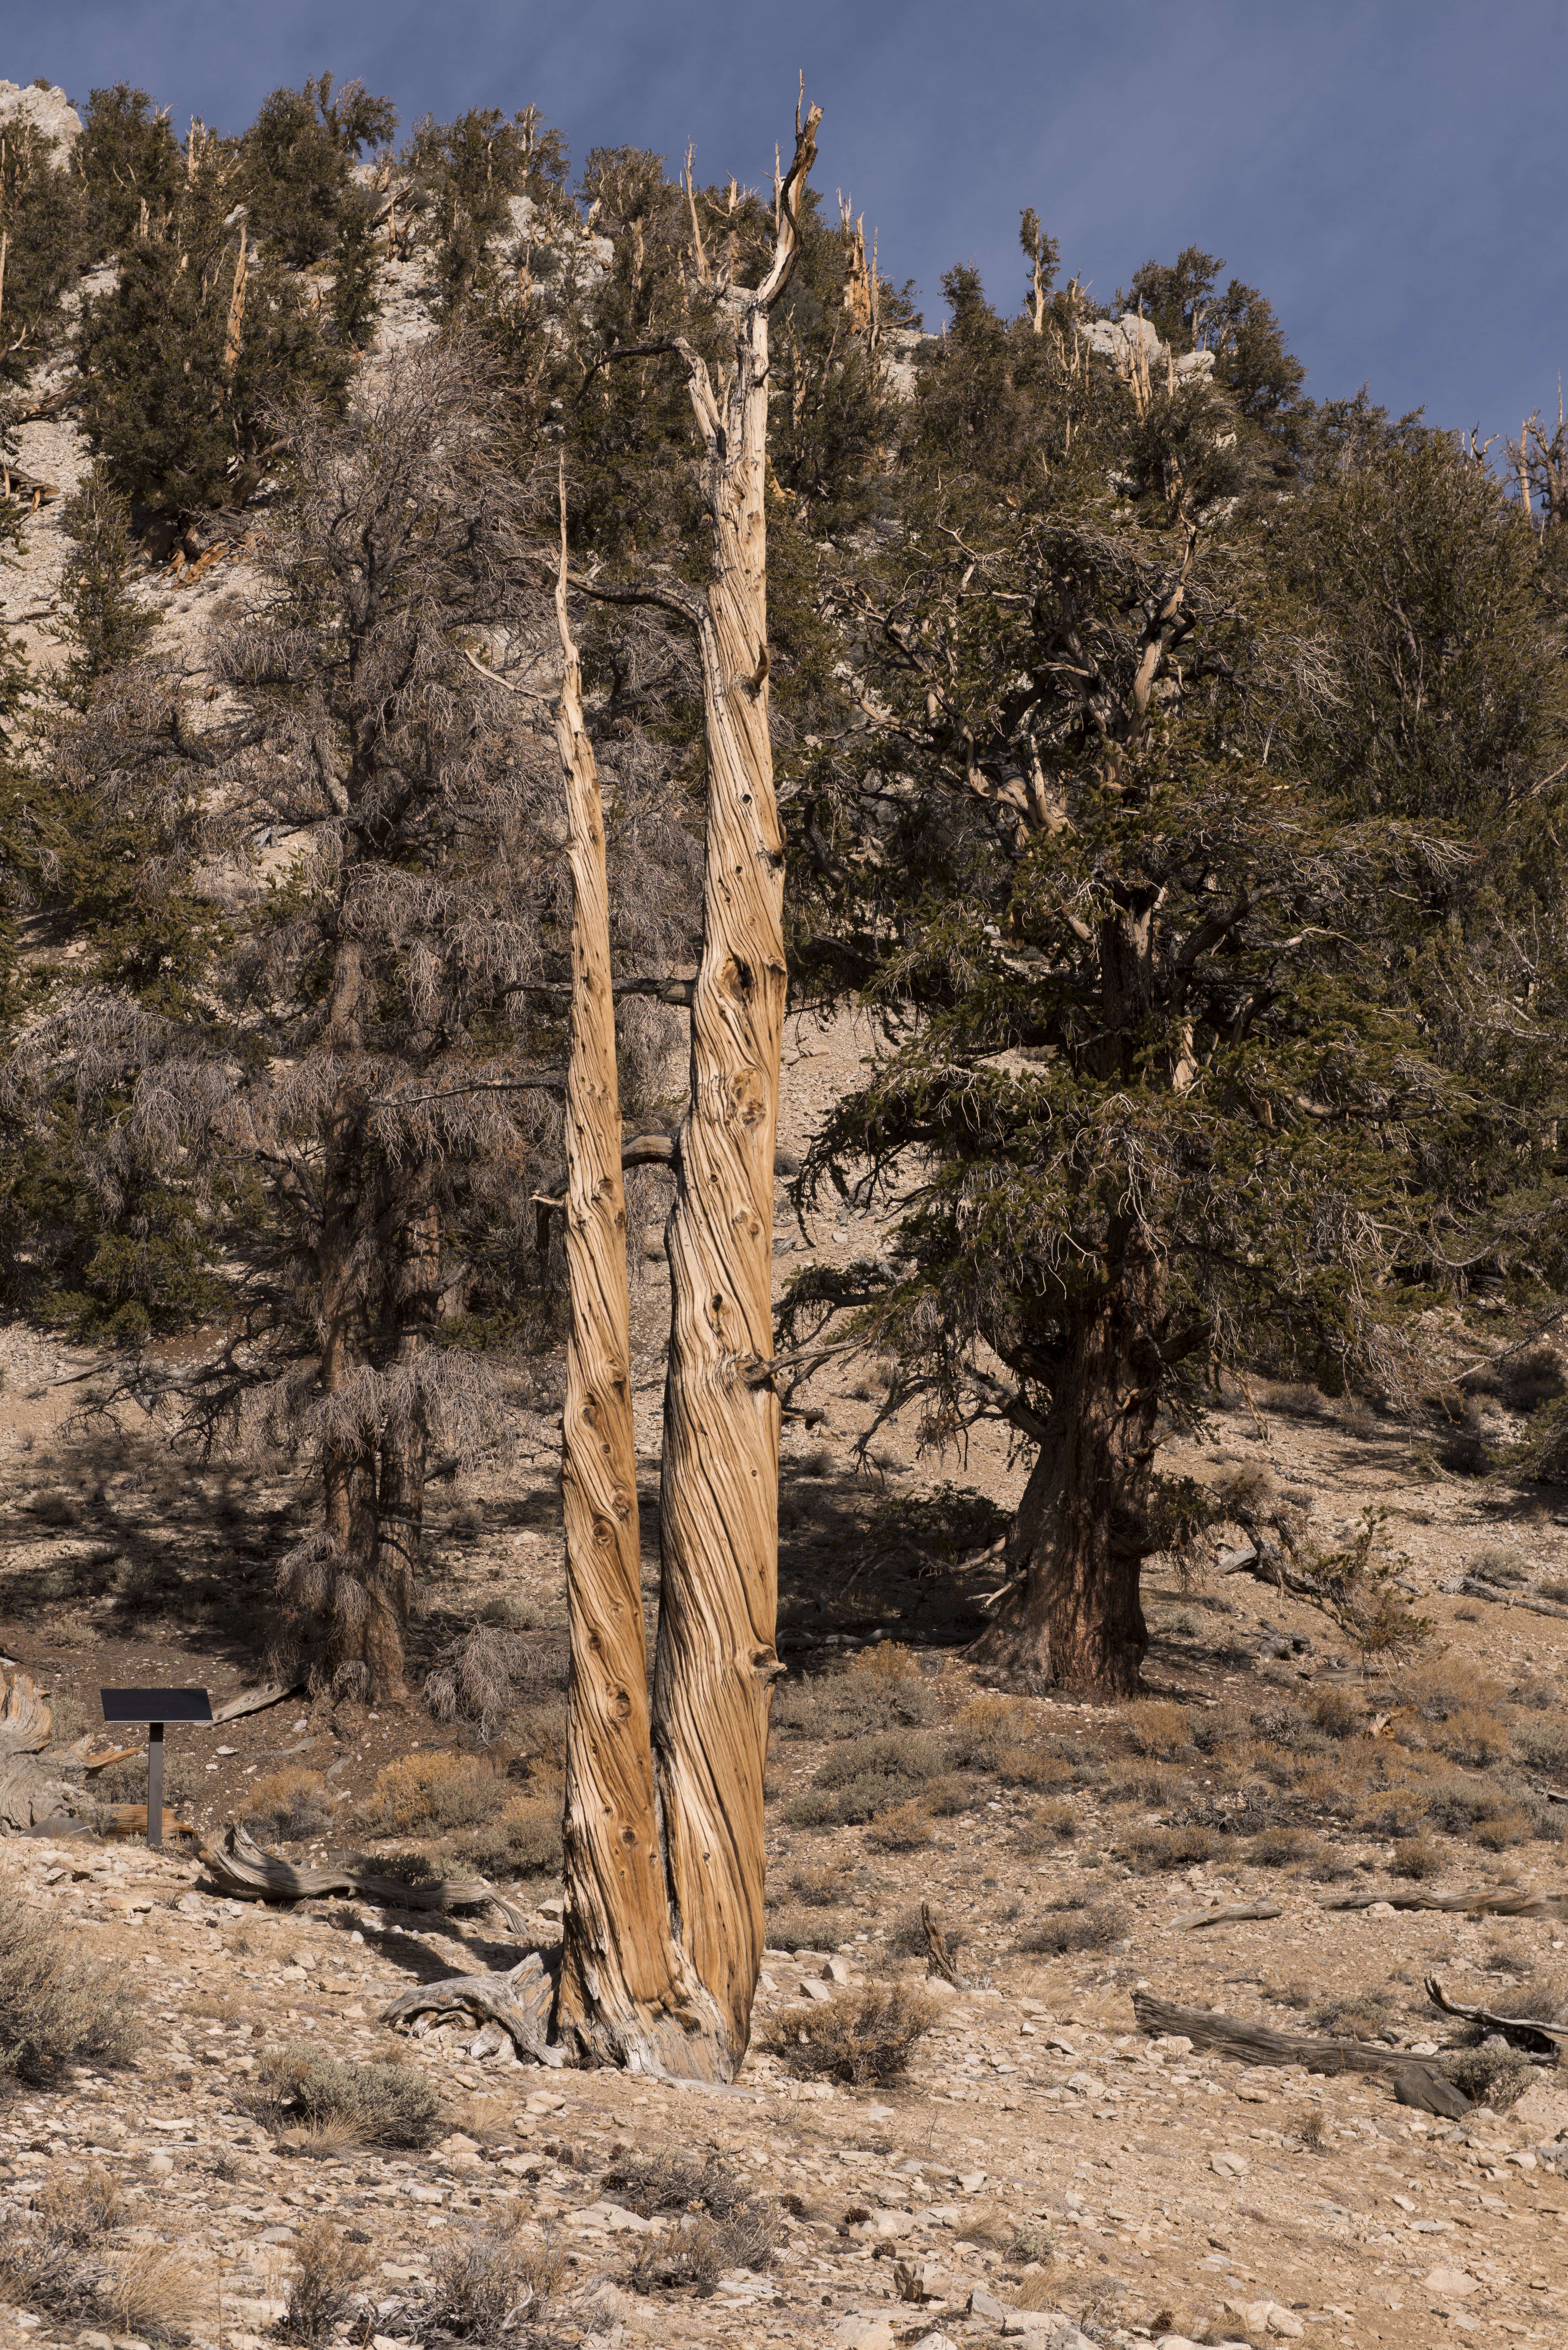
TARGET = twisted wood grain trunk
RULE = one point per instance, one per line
(628, 1994)
(719, 1526)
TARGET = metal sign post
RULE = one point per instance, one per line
(155, 1707)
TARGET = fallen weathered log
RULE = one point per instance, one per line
(256, 1700)
(26, 1720)
(121, 1821)
(1415, 2081)
(239, 1865)
(1474, 1588)
(1550, 2037)
(1232, 1914)
(1487, 1901)
(30, 1791)
(519, 2000)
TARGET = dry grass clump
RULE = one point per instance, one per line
(292, 1802)
(385, 2105)
(887, 1661)
(523, 1839)
(670, 2181)
(862, 2036)
(1417, 1859)
(862, 1777)
(722, 2224)
(820, 1886)
(1157, 1726)
(328, 2269)
(56, 2008)
(482, 2282)
(1337, 1712)
(864, 1699)
(150, 2294)
(1543, 1995)
(1489, 1812)
(1050, 1825)
(905, 1828)
(1077, 1924)
(800, 1929)
(77, 2211)
(1000, 1734)
(1543, 1744)
(1283, 1847)
(438, 1790)
(1364, 2014)
(1444, 1686)
(1472, 1735)
(1150, 1848)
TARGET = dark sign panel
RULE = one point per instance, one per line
(156, 1705)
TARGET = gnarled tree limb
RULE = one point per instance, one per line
(1417, 2081)
(519, 2000)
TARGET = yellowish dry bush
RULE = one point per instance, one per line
(291, 1802)
(151, 2293)
(905, 1828)
(1473, 1734)
(862, 2036)
(887, 1661)
(1158, 1726)
(435, 1789)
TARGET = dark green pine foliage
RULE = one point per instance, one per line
(41, 214)
(179, 376)
(461, 177)
(297, 164)
(102, 623)
(105, 1230)
(1180, 1067)
(130, 168)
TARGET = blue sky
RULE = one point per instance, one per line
(1387, 173)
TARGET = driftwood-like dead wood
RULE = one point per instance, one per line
(939, 1958)
(1474, 1588)
(241, 1868)
(1550, 2037)
(519, 2000)
(256, 1700)
(31, 1792)
(1234, 1913)
(26, 1720)
(1415, 2082)
(1485, 1901)
(122, 1821)
(629, 1992)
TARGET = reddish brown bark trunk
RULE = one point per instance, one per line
(1082, 1531)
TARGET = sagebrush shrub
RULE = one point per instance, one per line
(328, 2268)
(435, 1789)
(861, 2036)
(387, 2104)
(292, 1802)
(1076, 1925)
(56, 2008)
(523, 1839)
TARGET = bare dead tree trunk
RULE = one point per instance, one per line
(718, 1530)
(628, 1994)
